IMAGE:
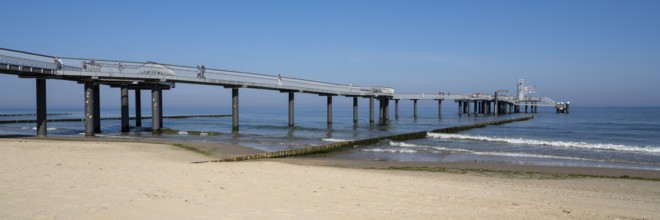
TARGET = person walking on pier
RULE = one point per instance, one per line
(58, 63)
(202, 70)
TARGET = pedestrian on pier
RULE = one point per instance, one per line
(202, 70)
(120, 67)
(59, 63)
(279, 79)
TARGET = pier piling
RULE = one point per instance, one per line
(291, 109)
(97, 108)
(355, 110)
(329, 109)
(371, 109)
(42, 119)
(234, 109)
(414, 108)
(89, 109)
(124, 109)
(138, 109)
(155, 110)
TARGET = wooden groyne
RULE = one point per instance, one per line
(364, 142)
(107, 118)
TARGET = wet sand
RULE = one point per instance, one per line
(64, 179)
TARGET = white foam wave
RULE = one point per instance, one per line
(333, 140)
(564, 144)
(391, 150)
(182, 132)
(35, 128)
(404, 144)
(203, 134)
(505, 154)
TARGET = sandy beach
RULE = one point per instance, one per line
(53, 179)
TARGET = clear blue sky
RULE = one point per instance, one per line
(593, 53)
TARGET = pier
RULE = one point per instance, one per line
(159, 78)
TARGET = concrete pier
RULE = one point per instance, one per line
(329, 110)
(291, 109)
(371, 109)
(42, 119)
(124, 109)
(468, 108)
(138, 109)
(355, 110)
(97, 108)
(234, 109)
(89, 109)
(155, 109)
(414, 108)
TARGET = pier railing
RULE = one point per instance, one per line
(128, 70)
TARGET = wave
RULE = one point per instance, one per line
(458, 150)
(333, 140)
(35, 128)
(391, 150)
(564, 144)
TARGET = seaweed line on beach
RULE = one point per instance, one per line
(327, 148)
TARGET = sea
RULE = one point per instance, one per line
(610, 137)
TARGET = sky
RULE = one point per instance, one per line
(591, 53)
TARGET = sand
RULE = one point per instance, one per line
(46, 179)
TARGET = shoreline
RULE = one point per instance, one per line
(100, 179)
(222, 151)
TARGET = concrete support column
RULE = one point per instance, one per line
(155, 110)
(89, 109)
(371, 109)
(439, 108)
(387, 108)
(460, 108)
(381, 109)
(138, 109)
(329, 110)
(414, 108)
(124, 109)
(468, 108)
(291, 109)
(568, 107)
(42, 116)
(97, 108)
(476, 108)
(355, 110)
(396, 109)
(525, 108)
(234, 109)
(162, 106)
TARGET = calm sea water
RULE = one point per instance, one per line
(590, 137)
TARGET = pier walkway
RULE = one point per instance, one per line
(156, 77)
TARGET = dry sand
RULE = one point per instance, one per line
(41, 179)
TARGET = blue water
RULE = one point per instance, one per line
(589, 137)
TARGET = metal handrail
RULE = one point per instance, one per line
(151, 70)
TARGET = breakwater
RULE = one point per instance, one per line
(107, 118)
(364, 142)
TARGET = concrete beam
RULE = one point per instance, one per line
(42, 118)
